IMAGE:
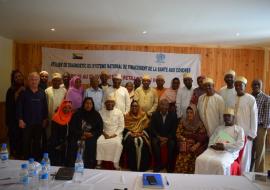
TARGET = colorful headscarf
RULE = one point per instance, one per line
(74, 94)
(60, 116)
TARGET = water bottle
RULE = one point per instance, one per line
(46, 160)
(24, 177)
(33, 175)
(44, 178)
(79, 168)
(4, 155)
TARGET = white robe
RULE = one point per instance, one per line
(113, 123)
(211, 110)
(183, 100)
(228, 96)
(121, 95)
(219, 162)
(246, 116)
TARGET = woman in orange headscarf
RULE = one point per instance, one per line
(60, 121)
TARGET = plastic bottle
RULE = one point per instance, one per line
(79, 169)
(33, 174)
(47, 161)
(4, 155)
(24, 177)
(44, 181)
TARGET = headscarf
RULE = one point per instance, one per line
(136, 123)
(60, 117)
(89, 116)
(75, 95)
(196, 122)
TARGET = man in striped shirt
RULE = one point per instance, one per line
(263, 103)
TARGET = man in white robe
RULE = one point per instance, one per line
(121, 95)
(184, 95)
(210, 107)
(246, 116)
(55, 94)
(109, 144)
(228, 92)
(223, 148)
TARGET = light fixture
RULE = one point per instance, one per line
(144, 32)
(52, 29)
(237, 34)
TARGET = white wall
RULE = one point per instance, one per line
(6, 61)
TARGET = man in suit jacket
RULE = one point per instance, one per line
(163, 127)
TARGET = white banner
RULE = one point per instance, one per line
(130, 64)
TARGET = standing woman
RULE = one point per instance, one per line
(192, 140)
(14, 132)
(58, 140)
(136, 139)
(85, 127)
(75, 92)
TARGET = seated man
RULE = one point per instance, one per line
(109, 146)
(163, 127)
(223, 148)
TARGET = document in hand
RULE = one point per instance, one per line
(152, 180)
(224, 137)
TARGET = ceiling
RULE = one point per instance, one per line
(207, 22)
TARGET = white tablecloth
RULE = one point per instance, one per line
(107, 179)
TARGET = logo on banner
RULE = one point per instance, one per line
(160, 58)
(77, 56)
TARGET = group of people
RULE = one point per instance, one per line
(201, 129)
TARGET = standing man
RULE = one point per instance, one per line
(184, 95)
(160, 85)
(95, 92)
(210, 107)
(146, 96)
(32, 112)
(263, 103)
(121, 95)
(109, 144)
(43, 83)
(104, 77)
(137, 82)
(197, 92)
(228, 92)
(66, 79)
(246, 115)
(163, 126)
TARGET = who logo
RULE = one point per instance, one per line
(160, 58)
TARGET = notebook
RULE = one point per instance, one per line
(153, 181)
(64, 174)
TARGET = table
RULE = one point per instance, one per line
(108, 179)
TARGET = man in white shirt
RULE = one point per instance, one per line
(109, 144)
(223, 148)
(184, 95)
(228, 92)
(210, 107)
(121, 95)
(246, 116)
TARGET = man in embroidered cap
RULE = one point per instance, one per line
(146, 96)
(160, 85)
(263, 103)
(109, 144)
(104, 76)
(210, 107)
(228, 92)
(197, 92)
(43, 83)
(223, 148)
(184, 95)
(246, 116)
(122, 100)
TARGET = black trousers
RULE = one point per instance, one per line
(15, 140)
(157, 154)
(32, 146)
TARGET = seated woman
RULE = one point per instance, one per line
(192, 140)
(86, 126)
(136, 139)
(57, 142)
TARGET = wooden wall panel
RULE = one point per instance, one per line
(215, 61)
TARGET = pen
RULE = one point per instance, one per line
(167, 182)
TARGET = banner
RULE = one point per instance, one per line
(130, 64)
